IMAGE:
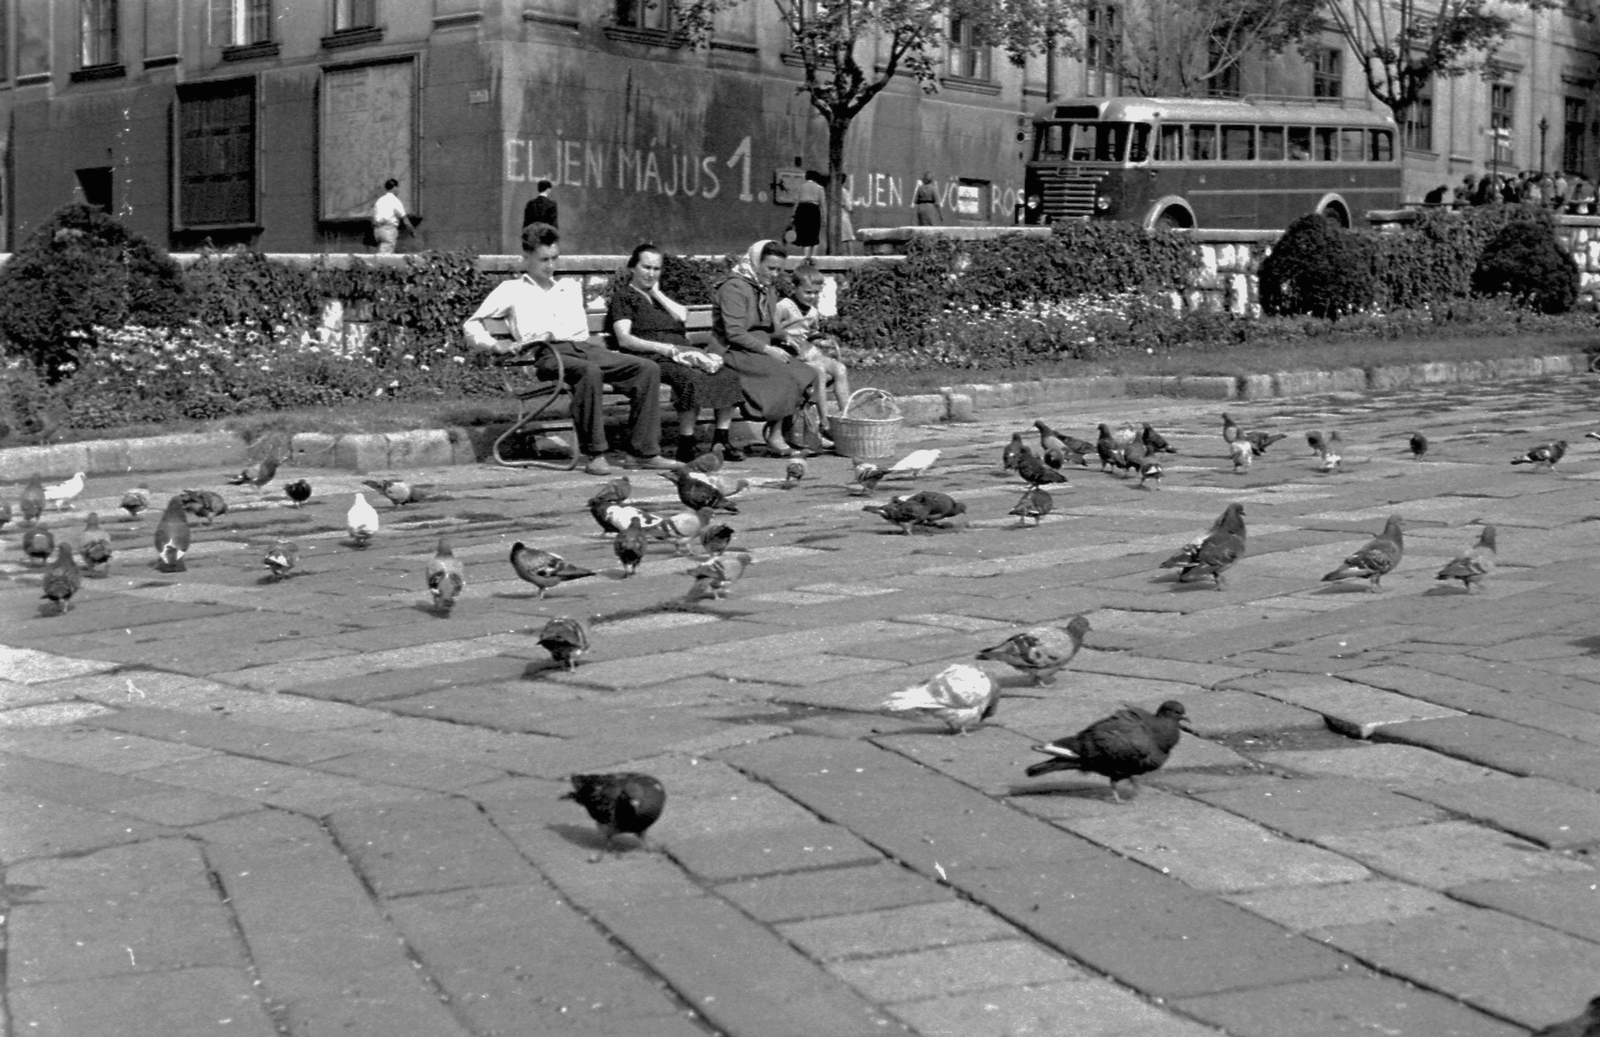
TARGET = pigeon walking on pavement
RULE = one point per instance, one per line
(565, 639)
(172, 537)
(258, 474)
(203, 504)
(1035, 503)
(361, 520)
(1377, 557)
(1031, 654)
(715, 575)
(281, 558)
(38, 543)
(625, 803)
(1242, 455)
(1011, 452)
(960, 695)
(135, 501)
(793, 472)
(698, 493)
(1545, 455)
(62, 494)
(96, 546)
(1154, 442)
(61, 578)
(31, 501)
(446, 577)
(544, 569)
(298, 492)
(1128, 743)
(1035, 471)
(1473, 565)
(923, 510)
(630, 547)
(916, 463)
(1216, 552)
(1419, 445)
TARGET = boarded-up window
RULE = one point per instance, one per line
(97, 33)
(354, 14)
(240, 23)
(368, 135)
(216, 163)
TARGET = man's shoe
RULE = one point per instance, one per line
(597, 466)
(655, 461)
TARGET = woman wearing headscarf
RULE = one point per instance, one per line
(776, 384)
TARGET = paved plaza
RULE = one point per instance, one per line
(317, 807)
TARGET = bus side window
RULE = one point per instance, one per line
(1169, 148)
(1202, 143)
(1327, 149)
(1382, 146)
(1139, 149)
(1272, 143)
(1300, 143)
(1352, 145)
(1238, 143)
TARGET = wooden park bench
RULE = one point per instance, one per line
(544, 406)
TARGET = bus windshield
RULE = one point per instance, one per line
(1090, 142)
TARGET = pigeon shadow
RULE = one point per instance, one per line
(427, 608)
(536, 667)
(589, 838)
(50, 608)
(1055, 788)
(1444, 591)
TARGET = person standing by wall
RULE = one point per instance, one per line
(388, 212)
(541, 208)
(926, 200)
(810, 201)
(847, 229)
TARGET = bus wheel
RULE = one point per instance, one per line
(1172, 218)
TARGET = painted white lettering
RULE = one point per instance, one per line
(689, 163)
(897, 195)
(742, 153)
(651, 172)
(594, 165)
(671, 190)
(514, 168)
(878, 180)
(713, 184)
(625, 160)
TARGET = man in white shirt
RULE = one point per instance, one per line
(540, 308)
(387, 214)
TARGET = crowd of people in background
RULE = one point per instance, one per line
(1569, 193)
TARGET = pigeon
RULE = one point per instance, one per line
(1035, 472)
(616, 491)
(697, 493)
(708, 462)
(1106, 447)
(1213, 554)
(1585, 1024)
(713, 577)
(916, 463)
(446, 577)
(135, 501)
(1331, 461)
(203, 504)
(565, 639)
(1378, 556)
(1545, 455)
(1474, 564)
(625, 803)
(1242, 454)
(714, 540)
(618, 517)
(682, 527)
(1049, 438)
(1133, 456)
(1035, 504)
(630, 547)
(1026, 652)
(298, 492)
(1419, 445)
(793, 472)
(867, 476)
(1592, 435)
(544, 569)
(1122, 746)
(61, 578)
(1259, 441)
(1154, 442)
(920, 510)
(1231, 433)
(62, 494)
(172, 537)
(38, 543)
(1058, 459)
(96, 545)
(257, 475)
(31, 501)
(1315, 441)
(1150, 471)
(398, 491)
(5, 513)
(362, 520)
(1081, 447)
(280, 558)
(1012, 451)
(961, 695)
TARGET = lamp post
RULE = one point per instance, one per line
(1544, 128)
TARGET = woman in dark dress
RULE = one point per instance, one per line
(645, 321)
(777, 385)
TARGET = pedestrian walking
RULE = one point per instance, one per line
(541, 208)
(388, 213)
(926, 200)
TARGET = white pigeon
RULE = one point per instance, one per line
(960, 695)
(62, 494)
(1126, 434)
(916, 462)
(362, 520)
(1240, 449)
(621, 516)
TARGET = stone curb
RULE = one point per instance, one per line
(368, 452)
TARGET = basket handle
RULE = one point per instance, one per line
(869, 389)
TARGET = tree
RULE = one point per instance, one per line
(849, 50)
(1173, 48)
(1401, 45)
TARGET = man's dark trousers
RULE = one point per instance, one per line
(589, 368)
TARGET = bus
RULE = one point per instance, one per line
(1242, 163)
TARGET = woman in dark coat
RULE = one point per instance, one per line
(776, 384)
(644, 321)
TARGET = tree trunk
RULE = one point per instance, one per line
(838, 127)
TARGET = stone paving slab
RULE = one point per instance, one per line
(1543, 811)
(181, 1003)
(1303, 908)
(1095, 1007)
(1305, 809)
(1503, 746)
(1355, 1006)
(813, 894)
(1385, 764)
(1569, 901)
(1354, 709)
(1449, 853)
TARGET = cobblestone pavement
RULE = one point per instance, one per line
(315, 807)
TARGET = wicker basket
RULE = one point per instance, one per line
(866, 438)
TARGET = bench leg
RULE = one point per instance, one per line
(499, 459)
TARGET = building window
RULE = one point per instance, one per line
(969, 59)
(354, 14)
(240, 23)
(1327, 73)
(216, 160)
(644, 14)
(1574, 150)
(1501, 96)
(1102, 45)
(98, 20)
(1419, 120)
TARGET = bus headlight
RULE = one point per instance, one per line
(1034, 201)
(1102, 202)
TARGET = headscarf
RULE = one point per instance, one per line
(746, 267)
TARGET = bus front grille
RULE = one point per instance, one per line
(1067, 195)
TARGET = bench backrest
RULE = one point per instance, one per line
(698, 326)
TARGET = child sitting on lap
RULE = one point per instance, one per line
(799, 322)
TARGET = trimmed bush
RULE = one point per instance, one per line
(80, 270)
(1318, 268)
(1526, 263)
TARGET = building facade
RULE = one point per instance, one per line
(276, 122)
